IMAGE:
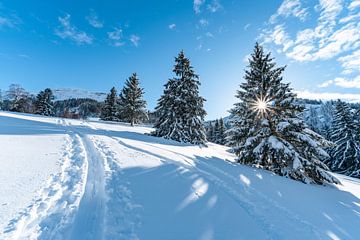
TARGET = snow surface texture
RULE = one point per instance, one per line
(69, 179)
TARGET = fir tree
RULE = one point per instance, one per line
(216, 131)
(44, 104)
(345, 156)
(210, 132)
(221, 139)
(326, 119)
(109, 111)
(312, 119)
(180, 108)
(132, 107)
(267, 131)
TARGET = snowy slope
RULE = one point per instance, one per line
(68, 93)
(110, 181)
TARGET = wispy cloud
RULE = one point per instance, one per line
(94, 20)
(21, 55)
(290, 8)
(214, 6)
(135, 40)
(9, 21)
(336, 33)
(197, 5)
(68, 31)
(354, 4)
(351, 62)
(349, 97)
(203, 22)
(116, 37)
(342, 82)
(172, 26)
(246, 27)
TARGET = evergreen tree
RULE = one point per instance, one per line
(44, 104)
(180, 108)
(210, 132)
(216, 132)
(221, 133)
(345, 156)
(132, 107)
(312, 119)
(109, 111)
(267, 131)
(326, 118)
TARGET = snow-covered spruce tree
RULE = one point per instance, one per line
(266, 130)
(180, 108)
(326, 110)
(132, 106)
(345, 156)
(210, 132)
(312, 119)
(109, 111)
(221, 138)
(44, 104)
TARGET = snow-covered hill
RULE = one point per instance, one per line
(69, 179)
(67, 93)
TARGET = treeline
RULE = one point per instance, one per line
(17, 99)
(267, 127)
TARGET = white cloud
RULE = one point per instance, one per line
(135, 40)
(326, 84)
(290, 8)
(21, 55)
(203, 22)
(5, 22)
(116, 37)
(9, 21)
(67, 31)
(197, 5)
(279, 36)
(172, 26)
(342, 82)
(209, 34)
(214, 6)
(329, 38)
(351, 62)
(349, 97)
(93, 20)
(354, 4)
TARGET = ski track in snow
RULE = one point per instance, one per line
(122, 218)
(89, 220)
(51, 213)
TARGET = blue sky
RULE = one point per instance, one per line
(96, 45)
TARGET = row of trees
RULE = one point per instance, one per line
(179, 112)
(216, 132)
(128, 106)
(17, 99)
(266, 128)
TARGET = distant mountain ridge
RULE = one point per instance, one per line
(68, 93)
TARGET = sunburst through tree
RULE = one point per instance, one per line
(266, 129)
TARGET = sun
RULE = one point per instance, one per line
(260, 105)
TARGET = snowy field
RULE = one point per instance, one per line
(69, 179)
